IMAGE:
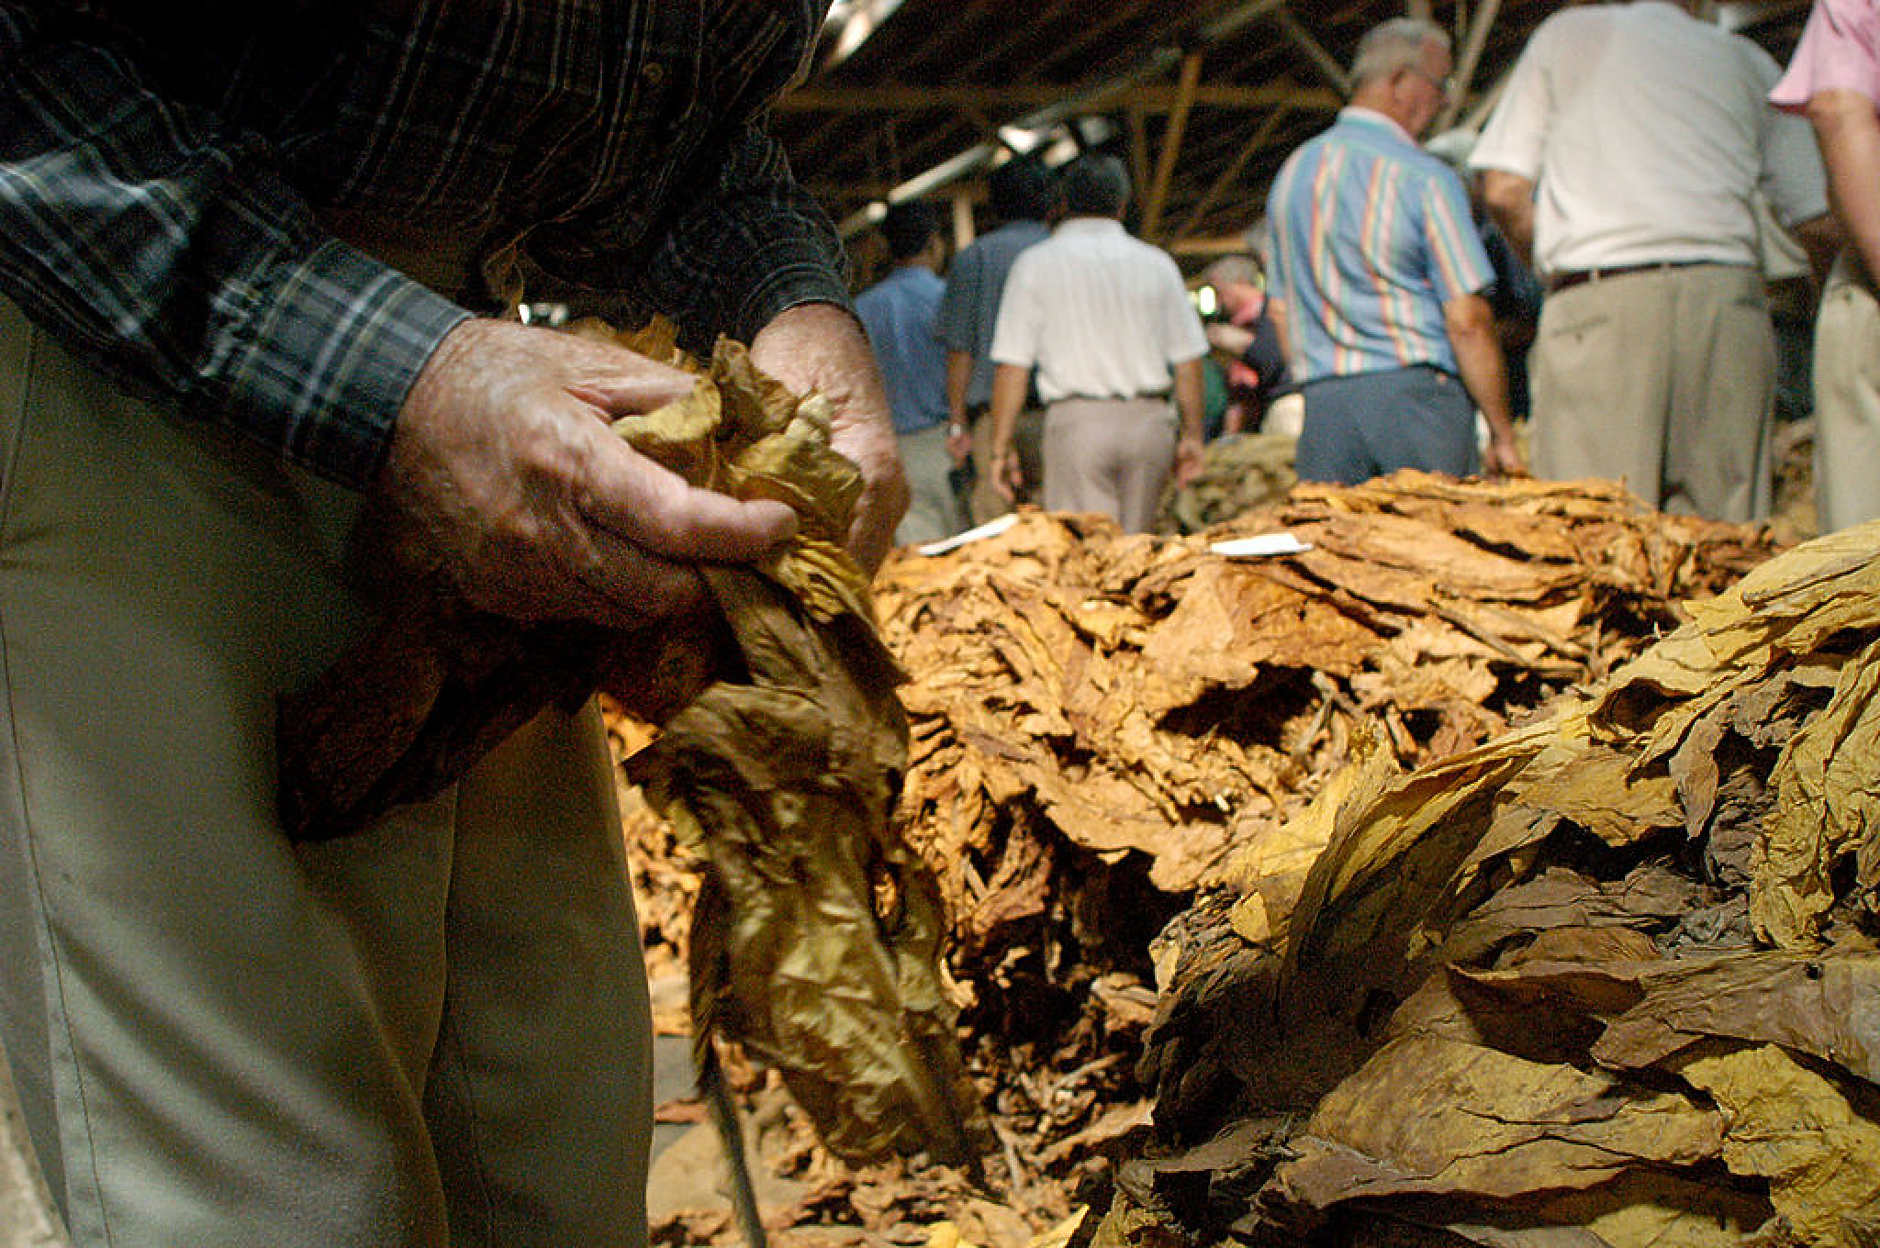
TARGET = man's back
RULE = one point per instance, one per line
(1101, 313)
(1371, 237)
(1646, 132)
(898, 314)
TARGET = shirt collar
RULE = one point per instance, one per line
(1089, 225)
(1370, 116)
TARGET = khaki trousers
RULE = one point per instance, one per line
(1847, 402)
(1109, 455)
(434, 1032)
(1662, 378)
(934, 511)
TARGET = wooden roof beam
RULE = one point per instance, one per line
(1469, 61)
(1323, 61)
(973, 158)
(1155, 98)
(1171, 144)
(1262, 135)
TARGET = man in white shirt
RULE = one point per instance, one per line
(1623, 159)
(1105, 320)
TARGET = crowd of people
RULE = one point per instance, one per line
(252, 316)
(1593, 264)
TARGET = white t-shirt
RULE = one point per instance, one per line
(1646, 132)
(1098, 313)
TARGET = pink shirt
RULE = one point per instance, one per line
(1839, 49)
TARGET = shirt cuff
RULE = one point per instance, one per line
(782, 276)
(334, 346)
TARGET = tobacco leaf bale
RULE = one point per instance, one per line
(1091, 752)
(1574, 898)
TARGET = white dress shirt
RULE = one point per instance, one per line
(1646, 132)
(1098, 313)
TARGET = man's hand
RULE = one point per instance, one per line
(1188, 460)
(959, 444)
(505, 473)
(818, 346)
(1502, 458)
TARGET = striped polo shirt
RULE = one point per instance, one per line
(1371, 236)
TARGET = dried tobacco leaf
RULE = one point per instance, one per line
(1562, 902)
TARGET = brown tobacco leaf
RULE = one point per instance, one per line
(815, 943)
(1434, 1117)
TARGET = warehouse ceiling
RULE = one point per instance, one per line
(1203, 98)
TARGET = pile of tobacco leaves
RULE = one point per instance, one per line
(1128, 760)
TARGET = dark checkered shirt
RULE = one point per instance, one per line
(175, 180)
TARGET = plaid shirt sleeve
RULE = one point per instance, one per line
(751, 244)
(170, 255)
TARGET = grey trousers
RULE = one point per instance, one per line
(1664, 379)
(433, 1032)
(1108, 455)
(1373, 424)
(934, 511)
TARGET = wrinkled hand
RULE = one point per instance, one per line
(820, 347)
(505, 474)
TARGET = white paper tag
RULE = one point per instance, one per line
(991, 528)
(1262, 546)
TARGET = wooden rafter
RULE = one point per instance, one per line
(1468, 61)
(1138, 125)
(1150, 98)
(1171, 148)
(1323, 61)
(1261, 136)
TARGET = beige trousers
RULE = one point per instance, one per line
(1847, 402)
(434, 1032)
(1109, 455)
(1665, 379)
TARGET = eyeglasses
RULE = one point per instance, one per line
(1445, 85)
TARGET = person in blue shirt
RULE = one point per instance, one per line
(1024, 197)
(900, 314)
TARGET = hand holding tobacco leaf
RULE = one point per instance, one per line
(780, 759)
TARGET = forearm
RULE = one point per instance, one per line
(1849, 136)
(959, 380)
(1190, 398)
(1510, 200)
(1484, 369)
(1009, 382)
(202, 276)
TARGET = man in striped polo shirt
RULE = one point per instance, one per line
(1378, 274)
